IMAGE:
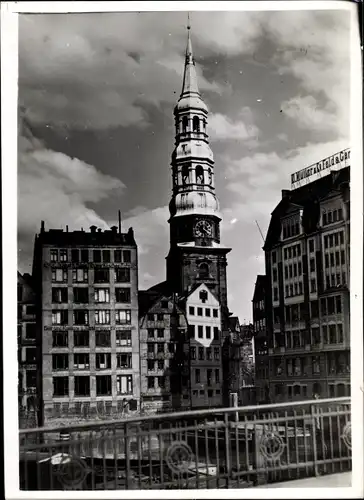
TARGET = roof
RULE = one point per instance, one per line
(260, 287)
(234, 324)
(82, 238)
(306, 198)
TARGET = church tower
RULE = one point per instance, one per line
(196, 255)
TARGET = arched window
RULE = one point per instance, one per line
(210, 176)
(196, 124)
(185, 174)
(203, 271)
(184, 124)
(199, 174)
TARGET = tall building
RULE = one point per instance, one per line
(28, 354)
(86, 284)
(307, 300)
(196, 263)
(261, 339)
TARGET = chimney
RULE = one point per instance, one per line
(42, 226)
(66, 229)
(93, 229)
(114, 229)
(285, 193)
(99, 230)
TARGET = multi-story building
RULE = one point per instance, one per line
(261, 339)
(87, 283)
(163, 333)
(28, 353)
(307, 268)
(196, 263)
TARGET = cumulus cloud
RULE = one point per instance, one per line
(222, 127)
(307, 113)
(56, 188)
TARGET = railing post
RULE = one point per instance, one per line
(127, 457)
(227, 450)
(314, 443)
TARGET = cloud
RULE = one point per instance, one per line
(307, 113)
(56, 188)
(222, 127)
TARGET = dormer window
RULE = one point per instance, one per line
(290, 227)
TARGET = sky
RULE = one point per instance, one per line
(96, 129)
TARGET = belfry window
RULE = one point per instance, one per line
(184, 124)
(185, 174)
(196, 124)
(199, 174)
(204, 271)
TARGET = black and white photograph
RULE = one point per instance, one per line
(187, 240)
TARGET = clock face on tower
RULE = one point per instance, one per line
(203, 228)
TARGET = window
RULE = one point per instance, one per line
(316, 338)
(338, 305)
(103, 361)
(122, 275)
(340, 334)
(150, 333)
(151, 348)
(209, 354)
(199, 175)
(191, 330)
(31, 378)
(81, 361)
(60, 386)
(160, 333)
(103, 339)
(150, 317)
(101, 275)
(60, 339)
(122, 295)
(97, 255)
(196, 124)
(103, 385)
(215, 313)
(171, 348)
(82, 386)
(80, 275)
(200, 331)
(216, 333)
(160, 364)
(54, 255)
(208, 332)
(193, 352)
(204, 272)
(160, 348)
(60, 361)
(102, 295)
(274, 257)
(311, 246)
(60, 317)
(124, 384)
(313, 286)
(30, 331)
(208, 312)
(84, 255)
(75, 255)
(80, 317)
(199, 311)
(316, 365)
(123, 317)
(275, 274)
(81, 339)
(209, 377)
(197, 375)
(275, 294)
(217, 376)
(63, 255)
(124, 360)
(332, 334)
(151, 365)
(106, 256)
(200, 353)
(126, 256)
(59, 275)
(160, 317)
(123, 338)
(216, 353)
(325, 334)
(161, 382)
(59, 295)
(80, 295)
(184, 124)
(191, 310)
(150, 382)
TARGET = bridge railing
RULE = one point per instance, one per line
(220, 448)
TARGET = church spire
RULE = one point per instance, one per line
(190, 85)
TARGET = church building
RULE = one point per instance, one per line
(195, 290)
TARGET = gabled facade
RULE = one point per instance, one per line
(307, 254)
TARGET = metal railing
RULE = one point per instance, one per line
(220, 448)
